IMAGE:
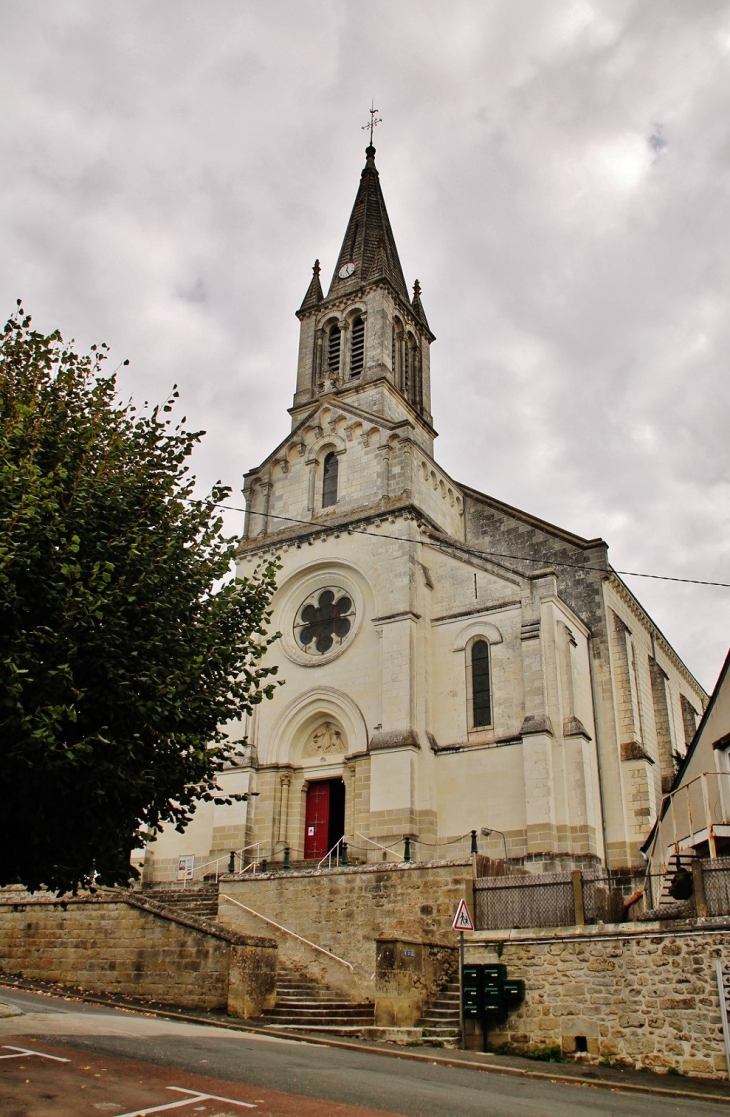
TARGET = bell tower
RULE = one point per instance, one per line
(366, 341)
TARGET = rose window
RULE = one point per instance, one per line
(324, 621)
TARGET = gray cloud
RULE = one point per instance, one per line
(556, 175)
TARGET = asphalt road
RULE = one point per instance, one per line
(293, 1072)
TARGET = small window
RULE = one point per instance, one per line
(480, 688)
(357, 352)
(329, 480)
(333, 349)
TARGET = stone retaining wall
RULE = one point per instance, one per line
(346, 910)
(115, 942)
(640, 996)
(407, 976)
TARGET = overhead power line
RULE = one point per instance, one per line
(487, 554)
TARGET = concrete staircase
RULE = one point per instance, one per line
(305, 1005)
(194, 899)
(441, 1021)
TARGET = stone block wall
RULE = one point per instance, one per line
(110, 943)
(640, 997)
(407, 975)
(346, 910)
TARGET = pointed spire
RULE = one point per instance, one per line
(417, 305)
(314, 294)
(378, 268)
(368, 250)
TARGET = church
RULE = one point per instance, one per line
(449, 663)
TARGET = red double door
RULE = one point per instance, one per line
(324, 822)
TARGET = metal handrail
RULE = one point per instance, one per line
(224, 857)
(286, 931)
(707, 819)
(328, 856)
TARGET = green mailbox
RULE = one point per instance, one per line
(472, 991)
(494, 975)
(513, 993)
(487, 994)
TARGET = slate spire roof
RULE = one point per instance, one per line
(417, 305)
(314, 294)
(369, 243)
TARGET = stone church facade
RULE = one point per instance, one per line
(451, 663)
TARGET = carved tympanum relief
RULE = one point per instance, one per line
(325, 740)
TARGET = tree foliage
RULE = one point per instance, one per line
(123, 648)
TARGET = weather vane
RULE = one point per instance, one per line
(374, 121)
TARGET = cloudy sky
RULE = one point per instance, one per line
(557, 177)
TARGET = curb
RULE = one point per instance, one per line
(432, 1058)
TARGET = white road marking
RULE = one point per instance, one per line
(194, 1096)
(212, 1097)
(24, 1052)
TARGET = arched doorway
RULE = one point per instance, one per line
(324, 819)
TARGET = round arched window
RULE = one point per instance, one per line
(324, 621)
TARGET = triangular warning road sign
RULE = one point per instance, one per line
(462, 919)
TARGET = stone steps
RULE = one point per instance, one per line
(441, 1020)
(306, 1005)
(666, 906)
(200, 900)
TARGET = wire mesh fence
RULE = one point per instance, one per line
(603, 898)
(520, 899)
(716, 885)
(546, 900)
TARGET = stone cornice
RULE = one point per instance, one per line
(345, 300)
(349, 523)
(624, 593)
(406, 615)
(338, 397)
(478, 611)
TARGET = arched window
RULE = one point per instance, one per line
(410, 368)
(396, 346)
(357, 349)
(481, 695)
(333, 348)
(417, 378)
(329, 480)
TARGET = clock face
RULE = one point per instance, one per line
(346, 270)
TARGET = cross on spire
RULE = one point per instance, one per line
(374, 121)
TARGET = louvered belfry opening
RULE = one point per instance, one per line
(329, 480)
(334, 342)
(357, 349)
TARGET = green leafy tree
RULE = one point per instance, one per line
(124, 644)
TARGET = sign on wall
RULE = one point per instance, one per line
(186, 867)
